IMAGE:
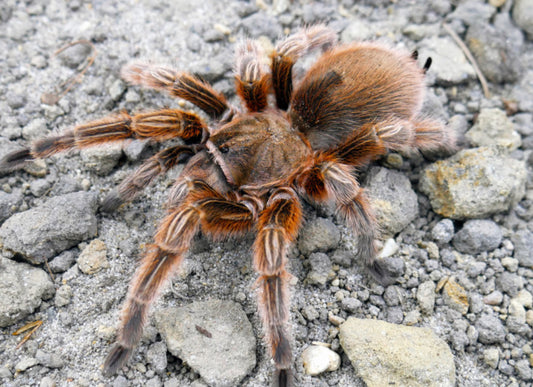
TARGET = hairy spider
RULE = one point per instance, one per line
(249, 170)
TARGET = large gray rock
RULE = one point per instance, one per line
(474, 183)
(393, 200)
(44, 231)
(22, 287)
(387, 354)
(214, 337)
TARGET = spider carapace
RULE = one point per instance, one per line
(249, 169)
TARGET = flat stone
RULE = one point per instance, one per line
(213, 337)
(42, 232)
(388, 354)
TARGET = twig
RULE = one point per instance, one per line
(49, 271)
(33, 326)
(53, 98)
(470, 58)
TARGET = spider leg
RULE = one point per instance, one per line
(252, 81)
(288, 51)
(178, 84)
(277, 227)
(361, 147)
(328, 180)
(158, 125)
(156, 165)
(421, 133)
(432, 135)
(202, 207)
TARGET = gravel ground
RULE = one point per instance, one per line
(458, 232)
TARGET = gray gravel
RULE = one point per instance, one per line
(476, 299)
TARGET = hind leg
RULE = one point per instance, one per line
(431, 135)
(422, 134)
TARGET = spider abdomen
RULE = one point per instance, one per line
(353, 85)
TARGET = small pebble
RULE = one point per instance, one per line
(351, 304)
(310, 313)
(93, 258)
(389, 248)
(491, 329)
(529, 318)
(320, 269)
(494, 298)
(491, 356)
(334, 319)
(510, 264)
(426, 297)
(318, 359)
(412, 317)
(63, 296)
(455, 296)
(524, 298)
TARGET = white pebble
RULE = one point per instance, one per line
(389, 249)
(317, 359)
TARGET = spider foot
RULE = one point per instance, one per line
(283, 378)
(116, 359)
(380, 271)
(111, 202)
(15, 160)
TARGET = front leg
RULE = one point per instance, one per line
(277, 229)
(156, 165)
(158, 125)
(327, 180)
(287, 53)
(202, 207)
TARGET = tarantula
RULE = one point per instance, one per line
(249, 170)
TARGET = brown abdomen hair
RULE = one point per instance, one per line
(354, 85)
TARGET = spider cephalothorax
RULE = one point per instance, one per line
(249, 170)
